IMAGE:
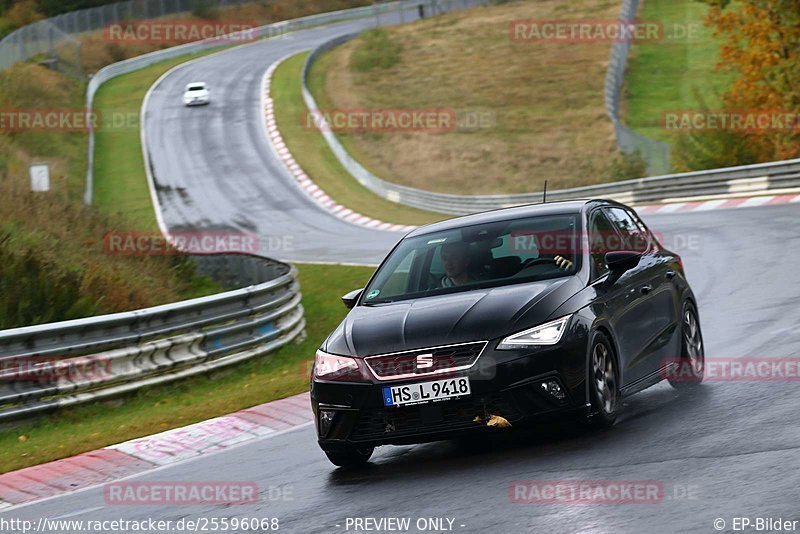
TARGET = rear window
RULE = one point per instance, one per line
(492, 254)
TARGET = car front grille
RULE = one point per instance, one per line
(459, 414)
(422, 363)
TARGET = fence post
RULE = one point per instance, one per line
(21, 42)
(51, 44)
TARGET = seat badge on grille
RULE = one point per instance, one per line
(424, 361)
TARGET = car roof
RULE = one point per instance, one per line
(529, 210)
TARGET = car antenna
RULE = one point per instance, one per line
(544, 194)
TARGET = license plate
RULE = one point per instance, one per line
(425, 392)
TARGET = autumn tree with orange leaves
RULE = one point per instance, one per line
(761, 47)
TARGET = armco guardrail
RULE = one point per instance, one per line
(760, 178)
(269, 30)
(55, 365)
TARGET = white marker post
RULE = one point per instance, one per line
(40, 177)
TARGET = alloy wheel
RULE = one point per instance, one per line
(693, 342)
(605, 380)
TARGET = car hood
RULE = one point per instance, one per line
(480, 314)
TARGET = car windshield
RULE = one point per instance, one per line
(197, 88)
(485, 255)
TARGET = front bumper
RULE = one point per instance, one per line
(503, 383)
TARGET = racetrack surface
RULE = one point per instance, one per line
(215, 171)
(729, 450)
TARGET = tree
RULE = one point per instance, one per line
(762, 47)
(23, 13)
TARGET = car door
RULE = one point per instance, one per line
(615, 302)
(647, 323)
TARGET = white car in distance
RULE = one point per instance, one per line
(196, 94)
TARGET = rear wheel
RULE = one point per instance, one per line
(603, 382)
(691, 366)
(350, 456)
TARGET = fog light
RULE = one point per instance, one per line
(554, 388)
(325, 422)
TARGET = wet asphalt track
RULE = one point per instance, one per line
(734, 448)
(214, 169)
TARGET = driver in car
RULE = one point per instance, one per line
(457, 265)
(458, 268)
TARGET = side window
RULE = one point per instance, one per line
(649, 236)
(633, 237)
(601, 234)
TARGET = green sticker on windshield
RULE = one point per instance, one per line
(372, 294)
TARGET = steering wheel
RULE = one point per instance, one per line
(535, 261)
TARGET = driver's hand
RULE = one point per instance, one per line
(563, 263)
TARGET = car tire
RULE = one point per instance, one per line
(603, 377)
(350, 457)
(692, 361)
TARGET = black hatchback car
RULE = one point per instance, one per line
(492, 320)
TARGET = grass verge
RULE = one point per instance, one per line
(525, 111)
(668, 74)
(55, 265)
(84, 428)
(312, 153)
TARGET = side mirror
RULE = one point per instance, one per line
(621, 261)
(351, 298)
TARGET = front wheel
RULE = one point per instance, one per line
(603, 382)
(691, 365)
(350, 456)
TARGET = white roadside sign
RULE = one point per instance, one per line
(40, 177)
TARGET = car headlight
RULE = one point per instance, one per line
(545, 334)
(333, 367)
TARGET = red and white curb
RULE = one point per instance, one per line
(319, 196)
(146, 454)
(720, 203)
